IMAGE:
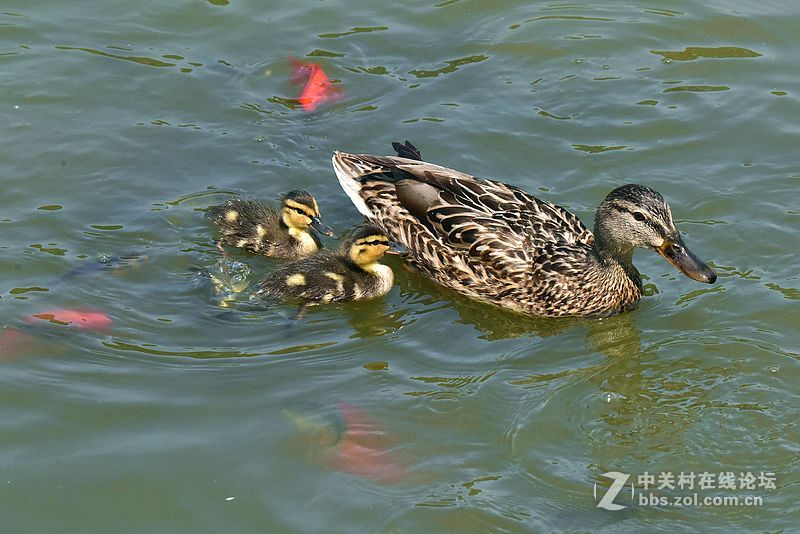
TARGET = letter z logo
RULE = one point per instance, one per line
(607, 501)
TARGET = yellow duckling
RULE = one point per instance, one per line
(351, 272)
(261, 229)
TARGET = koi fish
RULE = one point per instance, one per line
(13, 340)
(90, 320)
(318, 88)
(354, 444)
(364, 449)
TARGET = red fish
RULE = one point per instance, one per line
(351, 443)
(91, 320)
(364, 449)
(318, 88)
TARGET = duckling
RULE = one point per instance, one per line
(351, 272)
(261, 229)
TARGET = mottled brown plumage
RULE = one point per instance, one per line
(497, 243)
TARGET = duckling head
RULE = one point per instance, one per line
(637, 216)
(299, 210)
(366, 245)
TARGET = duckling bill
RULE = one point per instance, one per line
(496, 243)
(261, 229)
(352, 272)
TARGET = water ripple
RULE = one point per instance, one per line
(509, 420)
(696, 89)
(353, 31)
(150, 62)
(450, 66)
(698, 52)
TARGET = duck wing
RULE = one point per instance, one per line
(484, 218)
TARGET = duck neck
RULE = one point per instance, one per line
(608, 251)
(611, 254)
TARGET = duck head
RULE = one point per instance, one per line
(636, 216)
(366, 245)
(299, 210)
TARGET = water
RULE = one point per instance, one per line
(123, 121)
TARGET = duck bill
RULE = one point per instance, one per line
(675, 252)
(321, 227)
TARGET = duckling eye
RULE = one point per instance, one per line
(639, 216)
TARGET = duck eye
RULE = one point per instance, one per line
(639, 216)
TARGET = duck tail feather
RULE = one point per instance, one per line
(350, 169)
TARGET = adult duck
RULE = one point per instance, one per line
(497, 243)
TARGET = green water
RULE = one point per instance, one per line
(122, 121)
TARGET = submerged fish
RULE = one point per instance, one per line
(318, 88)
(14, 340)
(91, 320)
(351, 442)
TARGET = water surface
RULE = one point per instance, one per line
(124, 121)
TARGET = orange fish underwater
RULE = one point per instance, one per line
(91, 320)
(14, 340)
(318, 88)
(353, 444)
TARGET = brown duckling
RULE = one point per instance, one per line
(352, 272)
(261, 229)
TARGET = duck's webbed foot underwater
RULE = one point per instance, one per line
(302, 309)
(221, 248)
(298, 316)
